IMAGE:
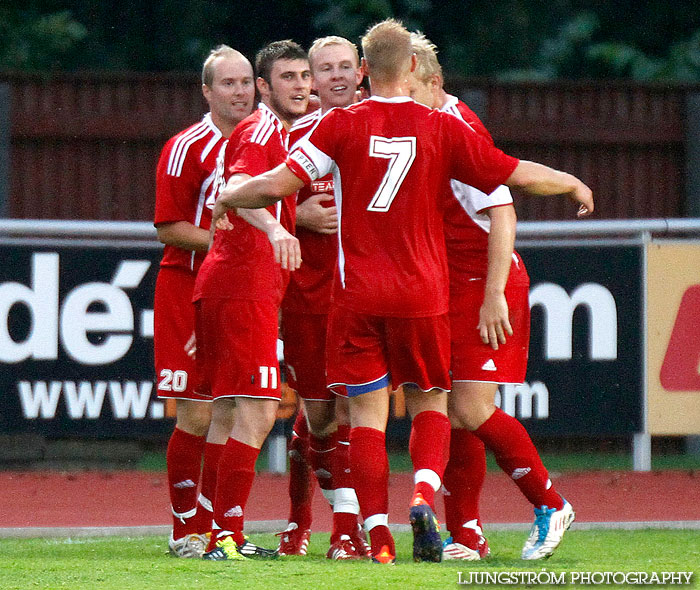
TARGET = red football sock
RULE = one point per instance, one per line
(342, 477)
(301, 488)
(184, 465)
(429, 447)
(321, 459)
(463, 480)
(233, 483)
(369, 466)
(205, 514)
(517, 456)
(380, 537)
(345, 507)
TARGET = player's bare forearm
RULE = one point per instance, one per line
(494, 323)
(183, 234)
(537, 179)
(262, 190)
(219, 220)
(501, 242)
(284, 245)
(252, 194)
(260, 218)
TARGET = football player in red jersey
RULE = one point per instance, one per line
(391, 159)
(184, 180)
(490, 326)
(238, 292)
(335, 66)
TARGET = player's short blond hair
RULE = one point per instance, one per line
(333, 40)
(214, 54)
(386, 47)
(427, 63)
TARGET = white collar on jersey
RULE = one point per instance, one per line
(392, 99)
(207, 120)
(268, 112)
(306, 120)
(451, 102)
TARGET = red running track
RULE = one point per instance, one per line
(126, 498)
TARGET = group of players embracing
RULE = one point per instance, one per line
(383, 228)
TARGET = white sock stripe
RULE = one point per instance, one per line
(206, 503)
(218, 531)
(184, 515)
(376, 520)
(474, 525)
(329, 495)
(428, 476)
(346, 501)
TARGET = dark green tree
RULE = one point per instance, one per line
(35, 40)
(351, 18)
(642, 39)
(620, 60)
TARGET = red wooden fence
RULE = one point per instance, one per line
(85, 146)
(627, 142)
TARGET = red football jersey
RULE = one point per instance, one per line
(309, 289)
(241, 263)
(184, 180)
(390, 160)
(466, 224)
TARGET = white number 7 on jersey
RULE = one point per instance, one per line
(400, 151)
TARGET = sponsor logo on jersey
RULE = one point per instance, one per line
(322, 186)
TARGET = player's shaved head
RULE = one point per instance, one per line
(333, 40)
(387, 49)
(268, 55)
(223, 51)
(427, 63)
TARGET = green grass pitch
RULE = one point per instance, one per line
(111, 563)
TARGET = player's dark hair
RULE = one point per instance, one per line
(269, 54)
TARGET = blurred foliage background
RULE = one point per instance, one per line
(510, 39)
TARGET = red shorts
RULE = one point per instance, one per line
(237, 348)
(304, 338)
(173, 325)
(365, 353)
(472, 360)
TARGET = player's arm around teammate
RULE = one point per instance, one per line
(468, 158)
(284, 245)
